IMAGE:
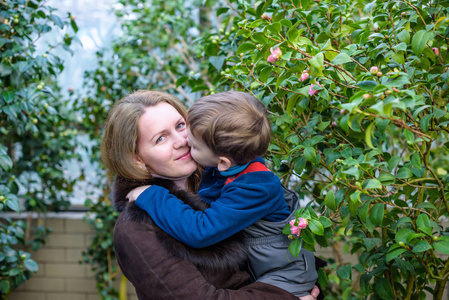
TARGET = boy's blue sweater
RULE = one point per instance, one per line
(233, 207)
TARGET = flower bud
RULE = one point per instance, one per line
(304, 76)
(374, 70)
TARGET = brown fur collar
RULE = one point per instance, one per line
(228, 253)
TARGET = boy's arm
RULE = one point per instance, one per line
(240, 205)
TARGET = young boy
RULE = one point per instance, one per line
(228, 132)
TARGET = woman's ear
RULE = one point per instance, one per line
(138, 161)
(224, 163)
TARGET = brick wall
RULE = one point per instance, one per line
(60, 276)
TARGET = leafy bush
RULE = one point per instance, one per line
(357, 94)
(35, 125)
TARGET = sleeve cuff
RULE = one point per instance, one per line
(153, 192)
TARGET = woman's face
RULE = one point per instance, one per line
(162, 142)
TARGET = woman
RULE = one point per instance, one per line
(144, 142)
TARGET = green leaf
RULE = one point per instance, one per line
(316, 139)
(383, 289)
(295, 247)
(442, 246)
(370, 243)
(404, 36)
(354, 171)
(222, 10)
(292, 103)
(376, 215)
(4, 286)
(310, 154)
(300, 164)
(424, 123)
(363, 211)
(345, 272)
(5, 162)
(405, 235)
(57, 20)
(245, 47)
(385, 177)
(323, 125)
(421, 246)
(369, 134)
(31, 265)
(316, 227)
(402, 221)
(367, 85)
(394, 253)
(409, 136)
(419, 41)
(325, 222)
(286, 22)
(426, 205)
(181, 80)
(200, 87)
(423, 220)
(13, 203)
(329, 200)
(265, 73)
(372, 184)
(416, 160)
(354, 203)
(316, 65)
(322, 278)
(394, 160)
(274, 28)
(5, 70)
(307, 236)
(401, 47)
(341, 58)
(404, 173)
(398, 81)
(217, 61)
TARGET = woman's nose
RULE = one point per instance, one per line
(180, 140)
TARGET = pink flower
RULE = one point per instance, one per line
(311, 91)
(302, 223)
(294, 229)
(275, 54)
(304, 76)
(436, 51)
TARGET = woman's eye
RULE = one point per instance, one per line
(160, 139)
(181, 125)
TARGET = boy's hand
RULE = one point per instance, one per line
(308, 297)
(135, 193)
(314, 293)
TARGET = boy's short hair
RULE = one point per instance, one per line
(231, 124)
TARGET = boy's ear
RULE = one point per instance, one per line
(224, 163)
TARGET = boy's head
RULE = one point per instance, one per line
(231, 125)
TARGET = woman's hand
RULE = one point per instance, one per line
(314, 293)
(135, 193)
